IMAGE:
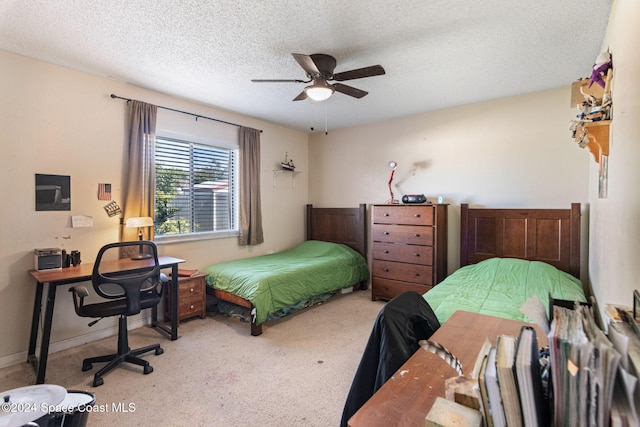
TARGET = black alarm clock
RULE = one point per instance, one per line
(414, 198)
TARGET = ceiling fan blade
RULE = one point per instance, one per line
(278, 81)
(374, 70)
(349, 90)
(301, 96)
(307, 64)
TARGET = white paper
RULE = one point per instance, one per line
(78, 221)
(535, 310)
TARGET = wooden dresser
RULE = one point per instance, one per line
(192, 298)
(409, 248)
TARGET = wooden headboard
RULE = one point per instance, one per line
(339, 225)
(549, 235)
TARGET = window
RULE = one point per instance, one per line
(195, 189)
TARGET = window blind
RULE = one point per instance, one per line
(195, 187)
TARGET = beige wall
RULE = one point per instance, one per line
(57, 121)
(614, 262)
(513, 152)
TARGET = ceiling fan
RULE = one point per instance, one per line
(319, 68)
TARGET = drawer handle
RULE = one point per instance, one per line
(386, 233)
(191, 307)
(386, 251)
(191, 290)
(417, 275)
(416, 255)
(386, 270)
(386, 214)
(416, 235)
(417, 215)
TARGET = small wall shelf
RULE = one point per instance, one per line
(293, 174)
(598, 134)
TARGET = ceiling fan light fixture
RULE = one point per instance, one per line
(319, 90)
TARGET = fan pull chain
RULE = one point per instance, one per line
(326, 132)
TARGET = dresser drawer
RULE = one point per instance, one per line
(387, 289)
(422, 274)
(413, 254)
(408, 215)
(410, 234)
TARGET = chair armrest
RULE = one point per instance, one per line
(81, 291)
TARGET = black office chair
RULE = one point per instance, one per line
(128, 292)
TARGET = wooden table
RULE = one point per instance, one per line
(406, 398)
(82, 273)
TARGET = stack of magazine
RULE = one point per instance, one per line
(592, 385)
(584, 378)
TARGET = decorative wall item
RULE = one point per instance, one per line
(590, 128)
(104, 191)
(603, 176)
(53, 192)
(112, 208)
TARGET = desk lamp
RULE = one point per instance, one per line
(392, 165)
(139, 222)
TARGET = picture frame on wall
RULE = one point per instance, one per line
(53, 192)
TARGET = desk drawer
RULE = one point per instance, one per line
(411, 234)
(412, 254)
(414, 273)
(403, 214)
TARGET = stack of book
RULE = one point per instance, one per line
(510, 382)
(584, 378)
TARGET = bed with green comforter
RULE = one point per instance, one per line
(272, 283)
(499, 286)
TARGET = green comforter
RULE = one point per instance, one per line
(277, 281)
(499, 286)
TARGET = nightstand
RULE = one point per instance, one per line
(192, 297)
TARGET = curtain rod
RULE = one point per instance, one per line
(197, 116)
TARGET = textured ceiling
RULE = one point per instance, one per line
(436, 53)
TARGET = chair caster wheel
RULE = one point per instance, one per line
(87, 367)
(148, 369)
(97, 382)
(159, 351)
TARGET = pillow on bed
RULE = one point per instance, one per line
(499, 286)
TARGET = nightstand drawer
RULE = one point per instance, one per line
(191, 308)
(408, 215)
(409, 234)
(413, 254)
(414, 273)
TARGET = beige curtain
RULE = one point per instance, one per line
(250, 210)
(139, 183)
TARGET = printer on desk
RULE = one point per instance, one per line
(47, 259)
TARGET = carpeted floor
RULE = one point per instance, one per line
(297, 373)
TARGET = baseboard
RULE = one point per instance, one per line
(76, 341)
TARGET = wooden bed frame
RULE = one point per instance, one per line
(337, 225)
(548, 235)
